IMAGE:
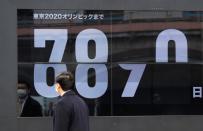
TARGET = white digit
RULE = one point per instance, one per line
(81, 47)
(40, 81)
(60, 38)
(180, 43)
(131, 86)
(101, 81)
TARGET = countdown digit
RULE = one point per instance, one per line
(101, 80)
(181, 47)
(131, 86)
(81, 48)
(60, 38)
(40, 80)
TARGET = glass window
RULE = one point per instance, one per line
(130, 62)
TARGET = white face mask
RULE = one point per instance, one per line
(22, 93)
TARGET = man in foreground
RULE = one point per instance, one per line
(70, 112)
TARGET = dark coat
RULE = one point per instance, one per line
(31, 108)
(71, 114)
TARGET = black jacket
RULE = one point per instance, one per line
(71, 114)
(31, 108)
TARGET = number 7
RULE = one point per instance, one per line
(58, 35)
(131, 86)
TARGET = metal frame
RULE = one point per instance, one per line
(8, 70)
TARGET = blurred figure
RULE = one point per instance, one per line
(71, 112)
(50, 111)
(27, 106)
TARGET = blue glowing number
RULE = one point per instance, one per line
(132, 84)
(162, 45)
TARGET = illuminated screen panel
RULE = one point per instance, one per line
(125, 63)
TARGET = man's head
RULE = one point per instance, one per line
(64, 82)
(23, 90)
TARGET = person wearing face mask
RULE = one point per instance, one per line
(27, 106)
(70, 112)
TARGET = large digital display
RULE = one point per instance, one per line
(125, 63)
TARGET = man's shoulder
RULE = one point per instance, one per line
(60, 102)
(63, 104)
(33, 101)
(70, 98)
(64, 101)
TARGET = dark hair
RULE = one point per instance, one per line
(27, 85)
(65, 80)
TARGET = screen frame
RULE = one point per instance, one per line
(8, 55)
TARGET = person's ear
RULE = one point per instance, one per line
(57, 87)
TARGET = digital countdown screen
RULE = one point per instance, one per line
(125, 63)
